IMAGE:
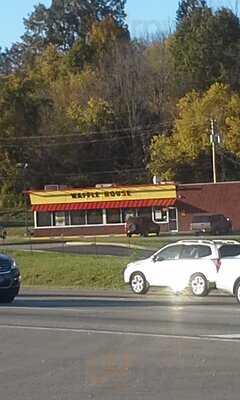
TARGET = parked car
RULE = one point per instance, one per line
(9, 279)
(216, 224)
(228, 277)
(186, 263)
(141, 226)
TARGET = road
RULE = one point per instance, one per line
(79, 346)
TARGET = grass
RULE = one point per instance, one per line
(57, 270)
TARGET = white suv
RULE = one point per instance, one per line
(185, 263)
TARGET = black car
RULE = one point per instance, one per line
(9, 279)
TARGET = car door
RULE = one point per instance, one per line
(162, 265)
(196, 258)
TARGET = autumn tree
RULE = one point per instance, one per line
(185, 154)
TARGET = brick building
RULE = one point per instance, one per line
(103, 210)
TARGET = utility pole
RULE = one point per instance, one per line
(214, 139)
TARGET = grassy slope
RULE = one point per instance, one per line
(57, 270)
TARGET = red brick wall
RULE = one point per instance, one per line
(78, 231)
(221, 198)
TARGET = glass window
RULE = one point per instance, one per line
(94, 217)
(77, 217)
(195, 251)
(201, 218)
(160, 214)
(189, 252)
(169, 253)
(61, 218)
(227, 250)
(43, 219)
(204, 251)
(113, 216)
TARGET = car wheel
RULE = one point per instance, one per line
(237, 292)
(199, 285)
(7, 298)
(138, 283)
(129, 234)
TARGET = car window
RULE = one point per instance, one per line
(195, 251)
(189, 252)
(169, 253)
(204, 251)
(229, 250)
(201, 218)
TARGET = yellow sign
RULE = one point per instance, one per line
(69, 196)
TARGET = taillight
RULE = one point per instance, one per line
(217, 263)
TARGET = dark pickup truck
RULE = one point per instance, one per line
(141, 226)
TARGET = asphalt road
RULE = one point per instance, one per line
(76, 346)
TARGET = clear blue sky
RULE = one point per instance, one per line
(144, 16)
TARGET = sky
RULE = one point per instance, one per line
(144, 16)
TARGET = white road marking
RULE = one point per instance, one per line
(55, 309)
(223, 338)
(226, 336)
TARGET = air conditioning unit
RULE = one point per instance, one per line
(104, 185)
(51, 187)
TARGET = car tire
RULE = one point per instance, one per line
(199, 285)
(138, 283)
(237, 292)
(7, 298)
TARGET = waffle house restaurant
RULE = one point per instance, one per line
(101, 210)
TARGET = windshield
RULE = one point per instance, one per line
(201, 218)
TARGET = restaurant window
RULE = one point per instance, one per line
(94, 217)
(160, 215)
(43, 219)
(61, 218)
(113, 216)
(78, 217)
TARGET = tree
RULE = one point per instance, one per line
(205, 49)
(66, 21)
(187, 7)
(103, 38)
(185, 154)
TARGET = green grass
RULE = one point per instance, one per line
(57, 270)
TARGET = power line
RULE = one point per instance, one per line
(114, 172)
(147, 130)
(72, 143)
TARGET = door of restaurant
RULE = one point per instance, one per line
(173, 219)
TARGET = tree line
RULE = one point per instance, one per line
(81, 102)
